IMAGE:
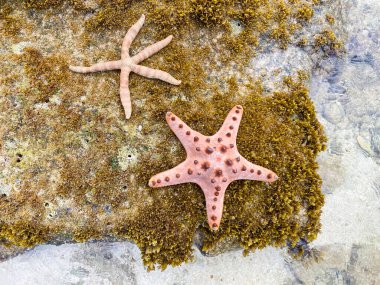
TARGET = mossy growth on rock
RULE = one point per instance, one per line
(22, 234)
(279, 18)
(328, 43)
(72, 166)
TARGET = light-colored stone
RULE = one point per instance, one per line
(334, 112)
(364, 144)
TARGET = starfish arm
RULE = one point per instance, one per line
(228, 131)
(130, 36)
(154, 73)
(249, 171)
(124, 92)
(190, 139)
(151, 50)
(177, 175)
(100, 66)
(214, 196)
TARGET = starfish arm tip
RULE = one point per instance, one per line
(127, 111)
(150, 183)
(274, 178)
(155, 182)
(231, 123)
(170, 118)
(269, 176)
(214, 227)
(142, 19)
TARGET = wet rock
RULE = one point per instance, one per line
(365, 144)
(8, 252)
(375, 133)
(340, 265)
(334, 112)
(376, 142)
(337, 89)
(366, 58)
(331, 171)
(364, 260)
(236, 27)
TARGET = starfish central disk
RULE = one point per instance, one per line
(128, 64)
(212, 162)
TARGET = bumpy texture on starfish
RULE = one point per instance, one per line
(127, 64)
(212, 163)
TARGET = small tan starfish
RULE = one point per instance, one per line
(127, 64)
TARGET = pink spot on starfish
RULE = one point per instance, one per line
(218, 164)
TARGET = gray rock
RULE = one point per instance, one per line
(334, 112)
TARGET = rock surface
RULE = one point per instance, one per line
(73, 169)
(347, 250)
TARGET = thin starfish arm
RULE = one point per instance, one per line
(151, 50)
(177, 175)
(190, 139)
(250, 171)
(154, 73)
(230, 126)
(214, 196)
(130, 36)
(124, 92)
(100, 66)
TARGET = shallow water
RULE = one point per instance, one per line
(346, 93)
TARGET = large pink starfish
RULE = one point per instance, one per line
(127, 64)
(212, 163)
